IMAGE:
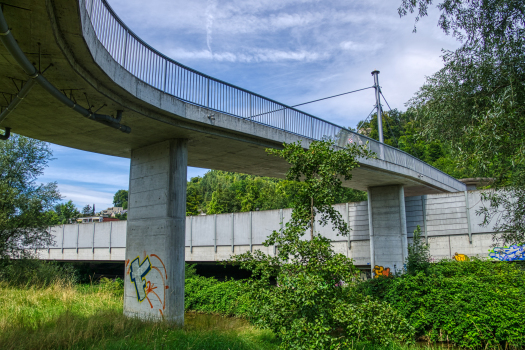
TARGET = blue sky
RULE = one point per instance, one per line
(292, 51)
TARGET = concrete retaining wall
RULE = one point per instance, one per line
(449, 225)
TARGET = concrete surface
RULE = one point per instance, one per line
(155, 232)
(445, 217)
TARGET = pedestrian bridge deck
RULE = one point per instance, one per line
(101, 64)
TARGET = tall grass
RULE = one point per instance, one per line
(64, 316)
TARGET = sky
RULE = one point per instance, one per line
(292, 51)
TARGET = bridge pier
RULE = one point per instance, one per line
(388, 229)
(154, 275)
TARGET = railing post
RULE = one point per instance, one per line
(424, 208)
(78, 232)
(467, 207)
(110, 232)
(63, 229)
(165, 74)
(215, 232)
(233, 232)
(251, 235)
(125, 51)
(348, 224)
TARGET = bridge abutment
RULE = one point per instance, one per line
(388, 229)
(155, 236)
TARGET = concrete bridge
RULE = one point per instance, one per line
(73, 74)
(448, 222)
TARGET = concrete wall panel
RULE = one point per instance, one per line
(242, 227)
(118, 234)
(85, 235)
(204, 230)
(263, 224)
(224, 229)
(102, 231)
(56, 233)
(70, 236)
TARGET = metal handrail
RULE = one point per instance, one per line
(191, 86)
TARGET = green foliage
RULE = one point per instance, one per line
(475, 104)
(404, 130)
(373, 321)
(225, 192)
(313, 282)
(114, 286)
(474, 304)
(121, 216)
(67, 212)
(209, 295)
(35, 273)
(120, 199)
(25, 207)
(418, 258)
(88, 210)
(189, 270)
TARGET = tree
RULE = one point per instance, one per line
(120, 199)
(403, 130)
(303, 308)
(87, 210)
(66, 212)
(227, 192)
(25, 206)
(193, 198)
(476, 103)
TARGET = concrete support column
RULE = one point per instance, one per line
(154, 275)
(388, 229)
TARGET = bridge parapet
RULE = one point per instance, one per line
(442, 218)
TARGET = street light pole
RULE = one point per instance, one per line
(378, 104)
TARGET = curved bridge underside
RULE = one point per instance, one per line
(99, 64)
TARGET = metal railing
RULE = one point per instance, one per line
(189, 85)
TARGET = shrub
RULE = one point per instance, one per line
(114, 286)
(473, 304)
(38, 273)
(418, 254)
(373, 321)
(209, 295)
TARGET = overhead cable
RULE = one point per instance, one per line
(326, 98)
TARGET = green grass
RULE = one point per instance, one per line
(65, 316)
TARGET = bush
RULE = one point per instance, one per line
(37, 273)
(373, 321)
(473, 304)
(209, 295)
(116, 286)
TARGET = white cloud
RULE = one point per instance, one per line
(84, 195)
(256, 55)
(210, 16)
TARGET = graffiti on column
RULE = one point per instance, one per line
(137, 275)
(150, 280)
(460, 257)
(381, 271)
(512, 253)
